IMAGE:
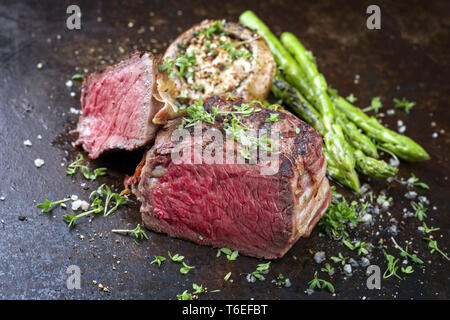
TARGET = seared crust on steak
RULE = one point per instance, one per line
(235, 205)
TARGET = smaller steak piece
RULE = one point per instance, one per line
(118, 106)
(234, 205)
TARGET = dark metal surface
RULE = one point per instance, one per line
(408, 57)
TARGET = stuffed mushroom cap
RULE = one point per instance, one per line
(217, 57)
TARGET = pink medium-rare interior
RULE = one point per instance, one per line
(224, 203)
(115, 110)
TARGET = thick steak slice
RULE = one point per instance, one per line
(118, 106)
(235, 205)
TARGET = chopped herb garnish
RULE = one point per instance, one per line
(87, 173)
(297, 130)
(167, 66)
(375, 105)
(78, 77)
(231, 255)
(257, 274)
(197, 288)
(419, 210)
(336, 219)
(185, 269)
(407, 270)
(197, 113)
(184, 62)
(158, 260)
(320, 284)
(360, 245)
(339, 259)
(392, 267)
(227, 276)
(48, 205)
(405, 104)
(176, 257)
(406, 254)
(351, 98)
(274, 117)
(138, 232)
(184, 296)
(71, 219)
(429, 230)
(432, 245)
(112, 198)
(415, 181)
(216, 28)
(328, 269)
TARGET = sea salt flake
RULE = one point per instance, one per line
(39, 163)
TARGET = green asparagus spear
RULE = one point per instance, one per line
(335, 141)
(402, 146)
(372, 167)
(336, 173)
(316, 80)
(364, 164)
(297, 103)
(290, 69)
(357, 139)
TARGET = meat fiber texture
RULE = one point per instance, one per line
(118, 106)
(235, 205)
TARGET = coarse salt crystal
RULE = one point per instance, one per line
(27, 143)
(39, 163)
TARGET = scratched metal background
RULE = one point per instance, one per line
(409, 57)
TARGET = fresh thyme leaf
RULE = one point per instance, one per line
(419, 210)
(72, 168)
(432, 245)
(183, 62)
(339, 259)
(375, 105)
(338, 216)
(138, 232)
(227, 276)
(407, 270)
(48, 205)
(185, 269)
(415, 181)
(392, 267)
(231, 255)
(274, 117)
(351, 98)
(360, 245)
(158, 260)
(197, 288)
(320, 284)
(328, 269)
(216, 28)
(78, 77)
(404, 253)
(176, 257)
(429, 230)
(405, 104)
(71, 219)
(184, 296)
(167, 66)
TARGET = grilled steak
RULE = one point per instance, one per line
(118, 106)
(235, 205)
(221, 57)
